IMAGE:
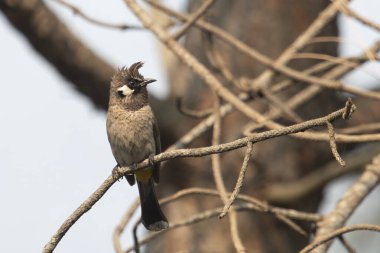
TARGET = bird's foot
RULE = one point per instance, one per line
(116, 174)
(151, 159)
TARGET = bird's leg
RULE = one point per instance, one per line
(130, 177)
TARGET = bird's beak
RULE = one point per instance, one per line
(147, 81)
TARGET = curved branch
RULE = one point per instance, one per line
(349, 202)
(339, 232)
(94, 21)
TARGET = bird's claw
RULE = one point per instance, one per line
(116, 174)
(151, 159)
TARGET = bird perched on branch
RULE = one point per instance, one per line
(134, 136)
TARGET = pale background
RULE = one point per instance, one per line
(54, 150)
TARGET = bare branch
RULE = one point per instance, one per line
(121, 226)
(348, 203)
(321, 241)
(345, 244)
(239, 182)
(291, 224)
(191, 113)
(193, 18)
(218, 178)
(361, 128)
(77, 11)
(215, 158)
(333, 147)
(135, 238)
(345, 9)
(205, 125)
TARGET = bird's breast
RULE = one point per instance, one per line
(130, 134)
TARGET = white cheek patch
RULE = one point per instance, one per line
(125, 90)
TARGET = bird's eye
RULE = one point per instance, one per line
(132, 84)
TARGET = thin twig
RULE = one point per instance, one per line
(295, 101)
(77, 11)
(121, 226)
(215, 57)
(215, 158)
(292, 224)
(205, 125)
(193, 18)
(333, 147)
(191, 113)
(239, 182)
(345, 244)
(135, 238)
(370, 55)
(316, 69)
(276, 102)
(361, 128)
(218, 178)
(327, 58)
(347, 10)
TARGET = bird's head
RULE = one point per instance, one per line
(129, 83)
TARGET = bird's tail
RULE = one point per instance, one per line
(152, 216)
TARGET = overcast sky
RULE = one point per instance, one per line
(53, 147)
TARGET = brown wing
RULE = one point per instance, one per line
(157, 141)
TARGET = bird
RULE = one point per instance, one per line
(134, 136)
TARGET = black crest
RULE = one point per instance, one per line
(134, 71)
(124, 75)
